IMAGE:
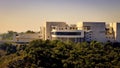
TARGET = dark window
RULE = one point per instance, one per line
(66, 33)
(53, 27)
(17, 39)
(16, 34)
(87, 27)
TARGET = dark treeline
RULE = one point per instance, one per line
(57, 54)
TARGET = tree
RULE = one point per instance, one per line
(29, 31)
(57, 54)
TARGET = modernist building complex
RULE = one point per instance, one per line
(83, 31)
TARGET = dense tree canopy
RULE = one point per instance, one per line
(57, 54)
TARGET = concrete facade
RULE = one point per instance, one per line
(48, 28)
(25, 37)
(97, 31)
(42, 33)
(116, 30)
(69, 34)
(94, 30)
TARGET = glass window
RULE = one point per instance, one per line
(66, 33)
(87, 27)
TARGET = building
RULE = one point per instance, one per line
(48, 28)
(94, 31)
(110, 34)
(61, 31)
(24, 38)
(69, 33)
(42, 32)
(83, 31)
(116, 31)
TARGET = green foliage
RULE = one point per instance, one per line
(57, 54)
(29, 31)
(9, 48)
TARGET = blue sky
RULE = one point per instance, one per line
(22, 15)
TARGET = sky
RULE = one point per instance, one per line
(23, 15)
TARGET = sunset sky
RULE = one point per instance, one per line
(23, 15)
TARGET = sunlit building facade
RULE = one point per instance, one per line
(24, 38)
(116, 31)
(48, 28)
(67, 34)
(85, 31)
(94, 31)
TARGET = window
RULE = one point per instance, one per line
(87, 28)
(66, 33)
(53, 27)
(17, 35)
(17, 39)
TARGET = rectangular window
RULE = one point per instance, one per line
(66, 33)
(87, 28)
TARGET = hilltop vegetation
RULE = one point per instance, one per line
(57, 54)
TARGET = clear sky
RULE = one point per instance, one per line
(23, 15)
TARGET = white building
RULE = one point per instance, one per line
(25, 37)
(94, 30)
(116, 31)
(48, 28)
(42, 33)
(61, 31)
(67, 34)
(110, 34)
(83, 31)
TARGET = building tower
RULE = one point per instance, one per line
(116, 29)
(48, 28)
(94, 31)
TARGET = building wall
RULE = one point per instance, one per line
(68, 35)
(97, 30)
(93, 30)
(23, 38)
(48, 28)
(116, 28)
(110, 32)
(88, 36)
(42, 33)
(80, 25)
(118, 32)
